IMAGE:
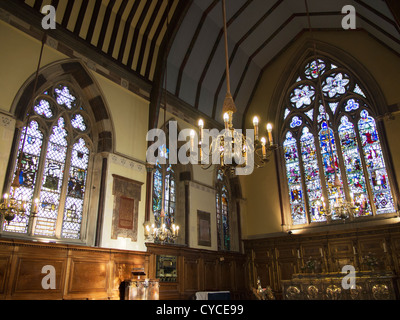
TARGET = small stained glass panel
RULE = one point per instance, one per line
(64, 97)
(302, 96)
(335, 85)
(43, 108)
(79, 123)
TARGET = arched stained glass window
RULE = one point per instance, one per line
(164, 191)
(330, 135)
(222, 209)
(55, 162)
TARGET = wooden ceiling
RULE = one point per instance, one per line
(131, 32)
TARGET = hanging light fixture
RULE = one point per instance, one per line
(14, 204)
(223, 145)
(165, 233)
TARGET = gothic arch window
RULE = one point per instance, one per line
(164, 191)
(330, 130)
(222, 210)
(55, 149)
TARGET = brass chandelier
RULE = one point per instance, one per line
(162, 234)
(223, 145)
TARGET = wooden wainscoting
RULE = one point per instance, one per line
(202, 270)
(279, 258)
(80, 272)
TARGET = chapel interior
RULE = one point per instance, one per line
(111, 112)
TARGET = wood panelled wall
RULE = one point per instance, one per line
(202, 270)
(81, 272)
(276, 259)
(94, 273)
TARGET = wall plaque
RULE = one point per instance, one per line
(127, 194)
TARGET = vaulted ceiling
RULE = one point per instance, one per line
(134, 34)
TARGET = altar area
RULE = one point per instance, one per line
(367, 285)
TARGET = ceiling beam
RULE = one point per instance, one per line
(394, 6)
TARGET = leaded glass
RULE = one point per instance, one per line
(358, 90)
(322, 116)
(287, 111)
(333, 106)
(64, 167)
(43, 108)
(311, 175)
(341, 95)
(157, 193)
(310, 114)
(169, 196)
(296, 122)
(219, 219)
(78, 122)
(222, 212)
(225, 219)
(28, 174)
(294, 180)
(64, 97)
(376, 168)
(52, 181)
(312, 72)
(354, 171)
(351, 105)
(76, 190)
(330, 164)
(302, 96)
(336, 85)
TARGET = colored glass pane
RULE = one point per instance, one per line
(296, 122)
(335, 85)
(312, 71)
(378, 177)
(330, 164)
(302, 96)
(78, 122)
(354, 171)
(73, 210)
(52, 181)
(294, 180)
(311, 175)
(42, 108)
(30, 159)
(64, 97)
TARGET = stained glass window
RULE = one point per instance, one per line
(294, 180)
(377, 174)
(336, 139)
(63, 163)
(222, 210)
(32, 144)
(311, 175)
(73, 210)
(164, 190)
(354, 169)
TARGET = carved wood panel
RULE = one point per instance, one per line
(191, 275)
(210, 275)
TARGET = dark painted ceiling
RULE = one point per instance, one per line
(131, 32)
